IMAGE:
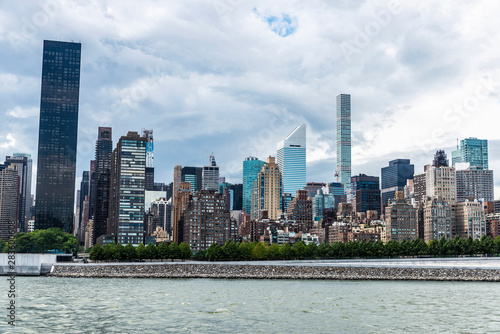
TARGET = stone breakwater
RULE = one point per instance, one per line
(231, 271)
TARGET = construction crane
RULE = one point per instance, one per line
(211, 158)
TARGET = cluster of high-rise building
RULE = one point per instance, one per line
(118, 199)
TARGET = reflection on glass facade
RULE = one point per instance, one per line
(103, 150)
(251, 168)
(55, 187)
(291, 159)
(394, 178)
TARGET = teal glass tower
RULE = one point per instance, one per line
(292, 160)
(473, 151)
(251, 168)
(344, 141)
(55, 185)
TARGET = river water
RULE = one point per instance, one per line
(82, 305)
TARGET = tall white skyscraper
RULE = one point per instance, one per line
(344, 141)
(292, 160)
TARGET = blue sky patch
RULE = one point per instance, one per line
(283, 25)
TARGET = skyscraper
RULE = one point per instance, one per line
(103, 151)
(473, 151)
(292, 160)
(251, 168)
(193, 175)
(267, 192)
(394, 178)
(9, 199)
(473, 183)
(84, 193)
(55, 189)
(366, 190)
(127, 186)
(344, 140)
(210, 176)
(176, 181)
(24, 166)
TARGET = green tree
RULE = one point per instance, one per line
(130, 252)
(2, 244)
(97, 253)
(311, 251)
(299, 249)
(151, 251)
(120, 252)
(185, 251)
(214, 252)
(141, 252)
(273, 252)
(200, 255)
(260, 251)
(286, 251)
(246, 250)
(174, 251)
(231, 251)
(323, 250)
(163, 251)
(108, 252)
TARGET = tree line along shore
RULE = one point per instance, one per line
(50, 240)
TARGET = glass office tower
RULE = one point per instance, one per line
(292, 160)
(251, 168)
(55, 186)
(474, 151)
(394, 178)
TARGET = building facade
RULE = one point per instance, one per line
(400, 220)
(366, 190)
(300, 210)
(55, 188)
(251, 168)
(24, 168)
(193, 175)
(9, 200)
(291, 160)
(394, 178)
(437, 219)
(473, 151)
(127, 187)
(344, 140)
(103, 151)
(267, 192)
(474, 183)
(206, 221)
(469, 219)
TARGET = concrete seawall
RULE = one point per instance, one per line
(249, 271)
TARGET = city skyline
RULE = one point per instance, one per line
(188, 110)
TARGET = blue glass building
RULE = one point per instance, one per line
(55, 185)
(251, 168)
(367, 192)
(473, 151)
(394, 178)
(291, 160)
(344, 140)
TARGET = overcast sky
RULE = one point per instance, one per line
(234, 77)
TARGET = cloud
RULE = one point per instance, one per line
(237, 76)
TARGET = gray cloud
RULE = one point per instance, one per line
(216, 75)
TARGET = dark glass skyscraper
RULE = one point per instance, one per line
(394, 178)
(103, 151)
(55, 186)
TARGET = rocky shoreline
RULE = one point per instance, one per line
(232, 271)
